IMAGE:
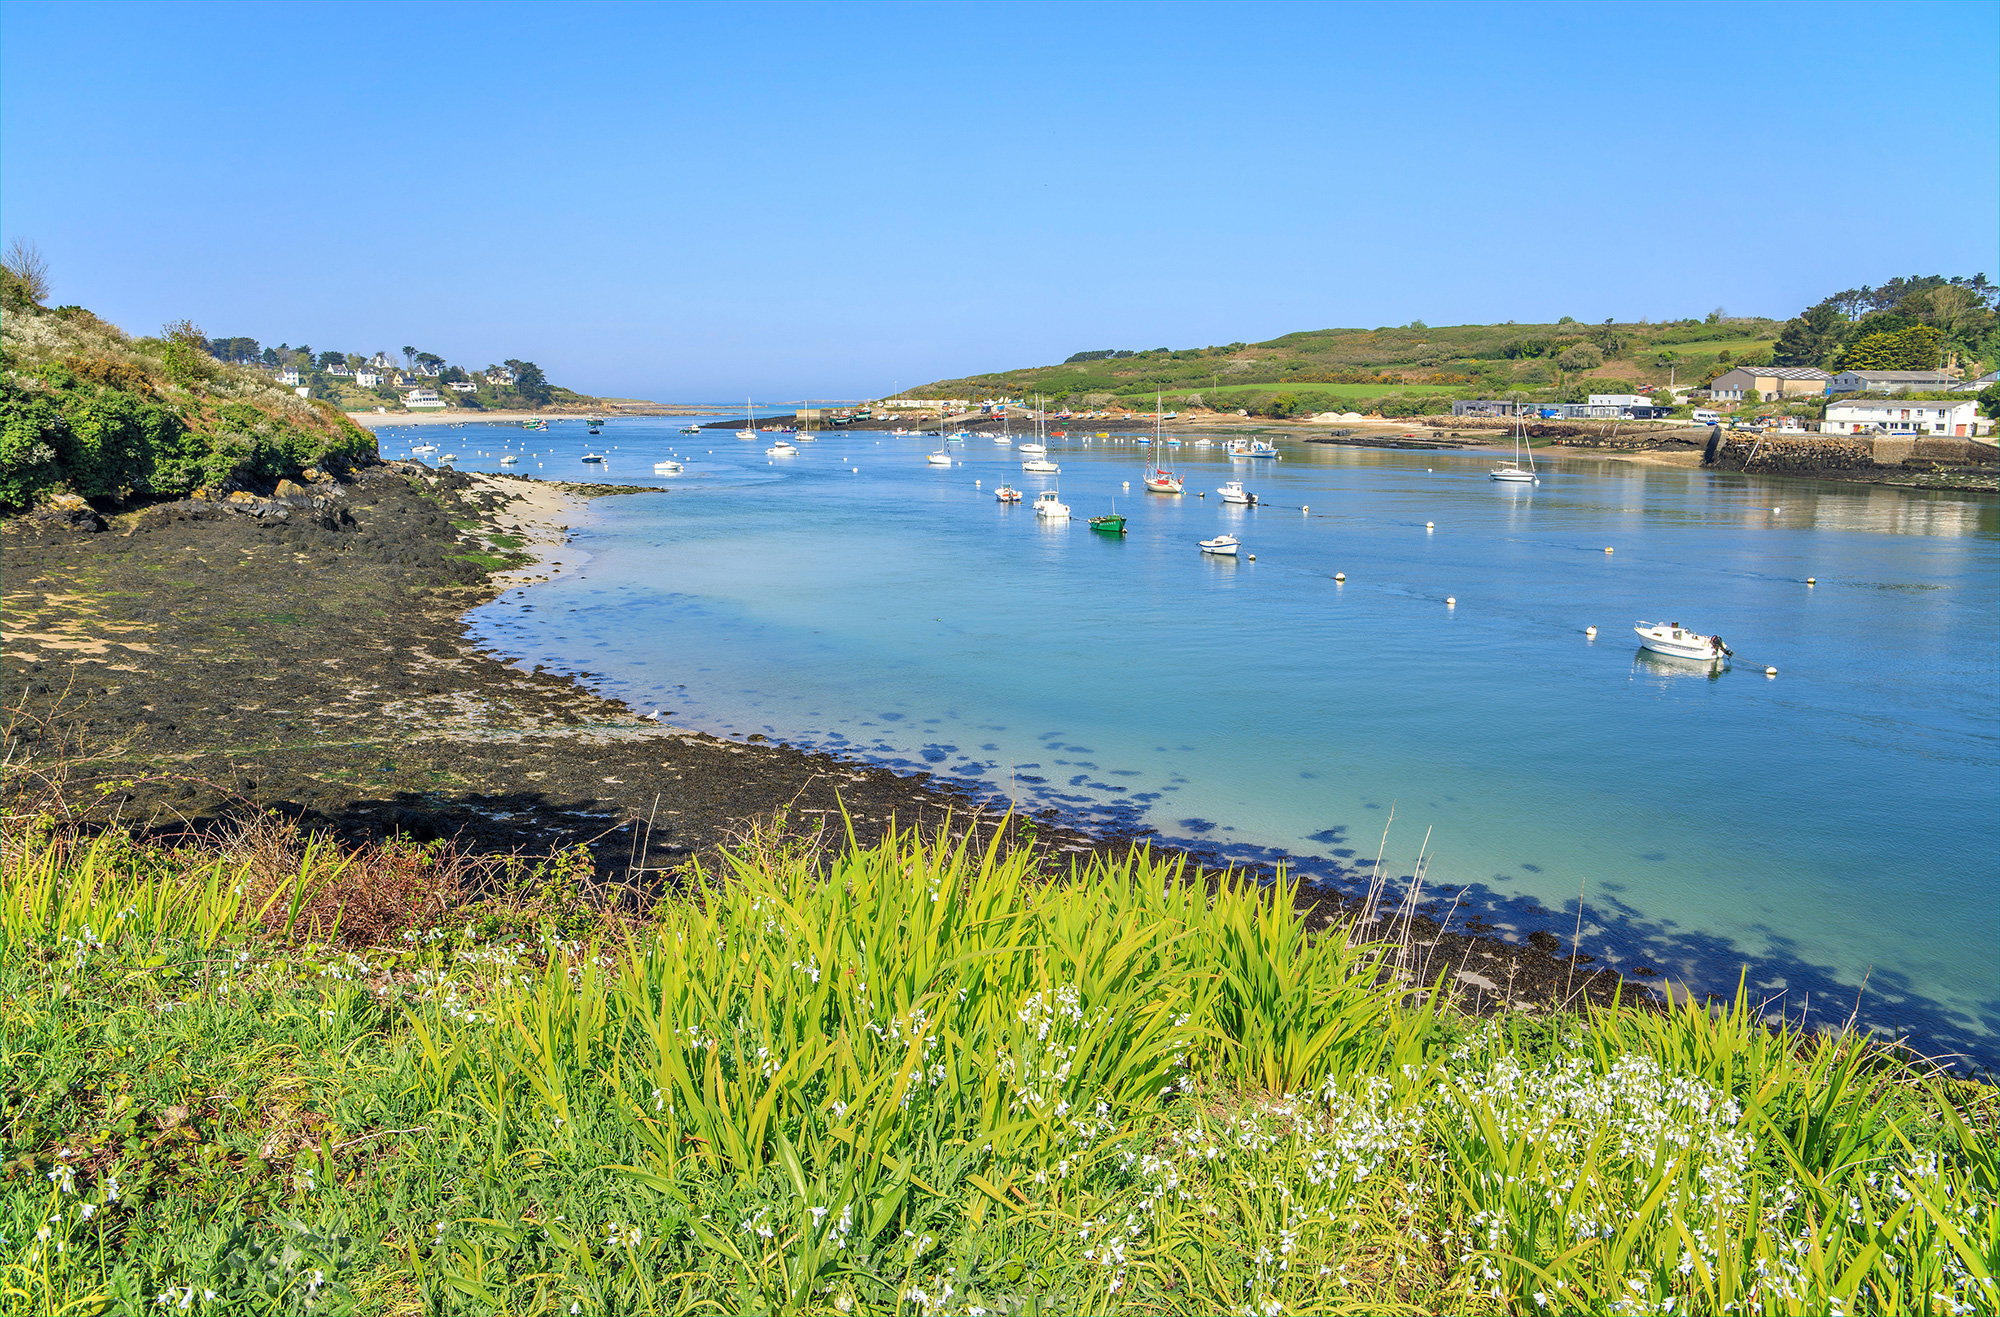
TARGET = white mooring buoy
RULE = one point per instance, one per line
(1607, 548)
(1340, 576)
(1770, 672)
(1812, 580)
(1450, 601)
(1430, 525)
(1590, 631)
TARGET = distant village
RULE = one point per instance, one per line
(419, 382)
(1882, 403)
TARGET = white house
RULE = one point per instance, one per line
(429, 370)
(1958, 420)
(368, 377)
(289, 377)
(342, 369)
(1890, 381)
(418, 400)
(1621, 400)
(381, 360)
(463, 386)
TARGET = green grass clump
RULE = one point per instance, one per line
(912, 1078)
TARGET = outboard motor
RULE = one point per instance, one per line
(1717, 642)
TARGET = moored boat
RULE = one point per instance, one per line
(667, 468)
(597, 458)
(1111, 524)
(1040, 466)
(939, 458)
(1049, 504)
(782, 449)
(1007, 494)
(1222, 545)
(1232, 491)
(1673, 639)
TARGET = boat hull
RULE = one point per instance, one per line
(1514, 477)
(1108, 525)
(1702, 649)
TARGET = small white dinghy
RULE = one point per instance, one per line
(509, 460)
(1040, 466)
(939, 458)
(667, 468)
(1673, 639)
(1224, 545)
(1049, 504)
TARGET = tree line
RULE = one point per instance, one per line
(1923, 322)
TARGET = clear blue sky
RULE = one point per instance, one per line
(699, 202)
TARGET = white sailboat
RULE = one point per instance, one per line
(749, 430)
(1513, 471)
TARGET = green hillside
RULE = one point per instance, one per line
(88, 410)
(1341, 366)
(1921, 322)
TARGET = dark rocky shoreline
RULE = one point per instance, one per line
(194, 661)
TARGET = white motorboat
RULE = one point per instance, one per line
(1674, 639)
(1239, 448)
(594, 457)
(424, 448)
(783, 448)
(509, 460)
(900, 430)
(1049, 504)
(961, 434)
(690, 429)
(1203, 443)
(939, 458)
(1007, 494)
(668, 468)
(1232, 492)
(1258, 448)
(1033, 450)
(1040, 466)
(1224, 545)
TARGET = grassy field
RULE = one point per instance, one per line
(1479, 357)
(260, 1075)
(1327, 390)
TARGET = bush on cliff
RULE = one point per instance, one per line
(85, 409)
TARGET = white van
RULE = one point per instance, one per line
(1707, 416)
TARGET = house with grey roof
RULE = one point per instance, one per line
(1890, 381)
(1767, 383)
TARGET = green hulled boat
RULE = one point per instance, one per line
(1111, 525)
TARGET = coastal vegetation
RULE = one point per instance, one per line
(1917, 323)
(1360, 365)
(89, 412)
(255, 1072)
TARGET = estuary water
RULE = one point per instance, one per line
(1835, 828)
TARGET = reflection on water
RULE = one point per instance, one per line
(1833, 824)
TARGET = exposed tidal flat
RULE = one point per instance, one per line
(1831, 828)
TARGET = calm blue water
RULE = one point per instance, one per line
(1834, 825)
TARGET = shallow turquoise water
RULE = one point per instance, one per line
(1834, 825)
